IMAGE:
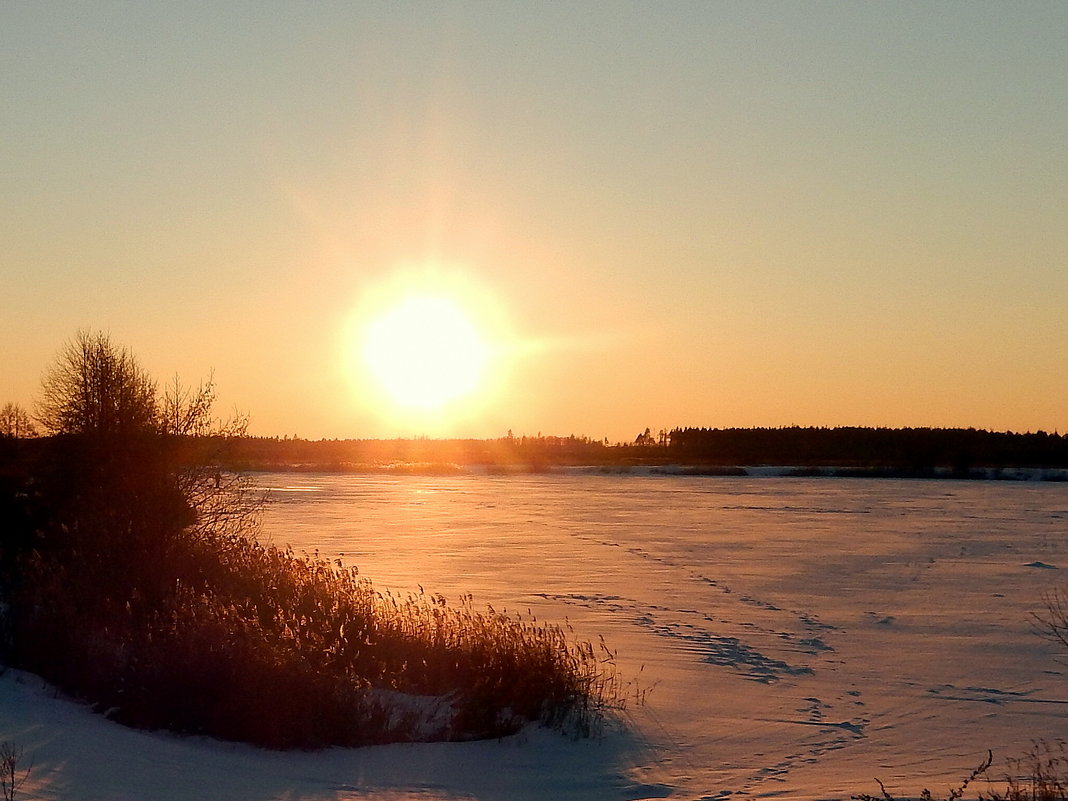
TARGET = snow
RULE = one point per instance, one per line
(797, 638)
(79, 755)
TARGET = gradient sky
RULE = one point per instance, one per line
(708, 214)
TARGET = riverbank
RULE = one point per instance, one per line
(1054, 474)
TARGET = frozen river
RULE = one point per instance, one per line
(801, 636)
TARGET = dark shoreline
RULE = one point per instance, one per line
(793, 452)
(1018, 474)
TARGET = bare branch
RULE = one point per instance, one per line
(1053, 624)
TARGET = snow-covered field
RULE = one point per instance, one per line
(799, 637)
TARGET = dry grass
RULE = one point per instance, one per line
(130, 576)
(202, 629)
(145, 592)
(1040, 775)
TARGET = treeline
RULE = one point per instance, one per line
(912, 449)
(901, 450)
(436, 455)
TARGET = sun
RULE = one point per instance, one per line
(425, 352)
(429, 349)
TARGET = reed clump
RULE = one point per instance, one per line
(217, 633)
(131, 577)
(221, 634)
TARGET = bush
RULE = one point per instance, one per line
(133, 579)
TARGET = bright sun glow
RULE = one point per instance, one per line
(425, 352)
(429, 350)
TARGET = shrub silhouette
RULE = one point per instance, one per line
(132, 578)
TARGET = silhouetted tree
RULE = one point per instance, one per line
(16, 422)
(97, 388)
(645, 438)
(222, 500)
(123, 490)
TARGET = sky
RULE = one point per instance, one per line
(648, 214)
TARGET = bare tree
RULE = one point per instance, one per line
(96, 387)
(16, 422)
(223, 501)
(12, 775)
(187, 412)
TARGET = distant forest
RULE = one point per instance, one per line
(963, 452)
(897, 451)
(960, 449)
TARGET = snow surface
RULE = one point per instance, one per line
(798, 637)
